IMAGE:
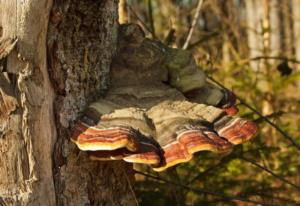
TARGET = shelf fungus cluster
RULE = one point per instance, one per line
(160, 110)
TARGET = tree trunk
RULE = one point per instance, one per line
(296, 29)
(60, 64)
(287, 22)
(254, 18)
(275, 35)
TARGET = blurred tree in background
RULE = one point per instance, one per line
(253, 48)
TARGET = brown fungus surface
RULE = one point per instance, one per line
(159, 110)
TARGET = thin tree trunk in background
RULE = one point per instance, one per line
(296, 29)
(266, 30)
(275, 35)
(296, 34)
(123, 12)
(43, 90)
(254, 18)
(225, 51)
(287, 28)
(260, 34)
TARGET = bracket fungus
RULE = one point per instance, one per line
(160, 109)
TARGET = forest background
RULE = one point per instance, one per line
(252, 47)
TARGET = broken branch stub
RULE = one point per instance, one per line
(6, 46)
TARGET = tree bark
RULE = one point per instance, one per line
(56, 69)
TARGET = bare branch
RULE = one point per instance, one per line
(196, 16)
(206, 172)
(204, 191)
(204, 39)
(272, 57)
(271, 172)
(283, 133)
(143, 24)
(272, 115)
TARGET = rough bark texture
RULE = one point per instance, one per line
(82, 40)
(27, 126)
(38, 164)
